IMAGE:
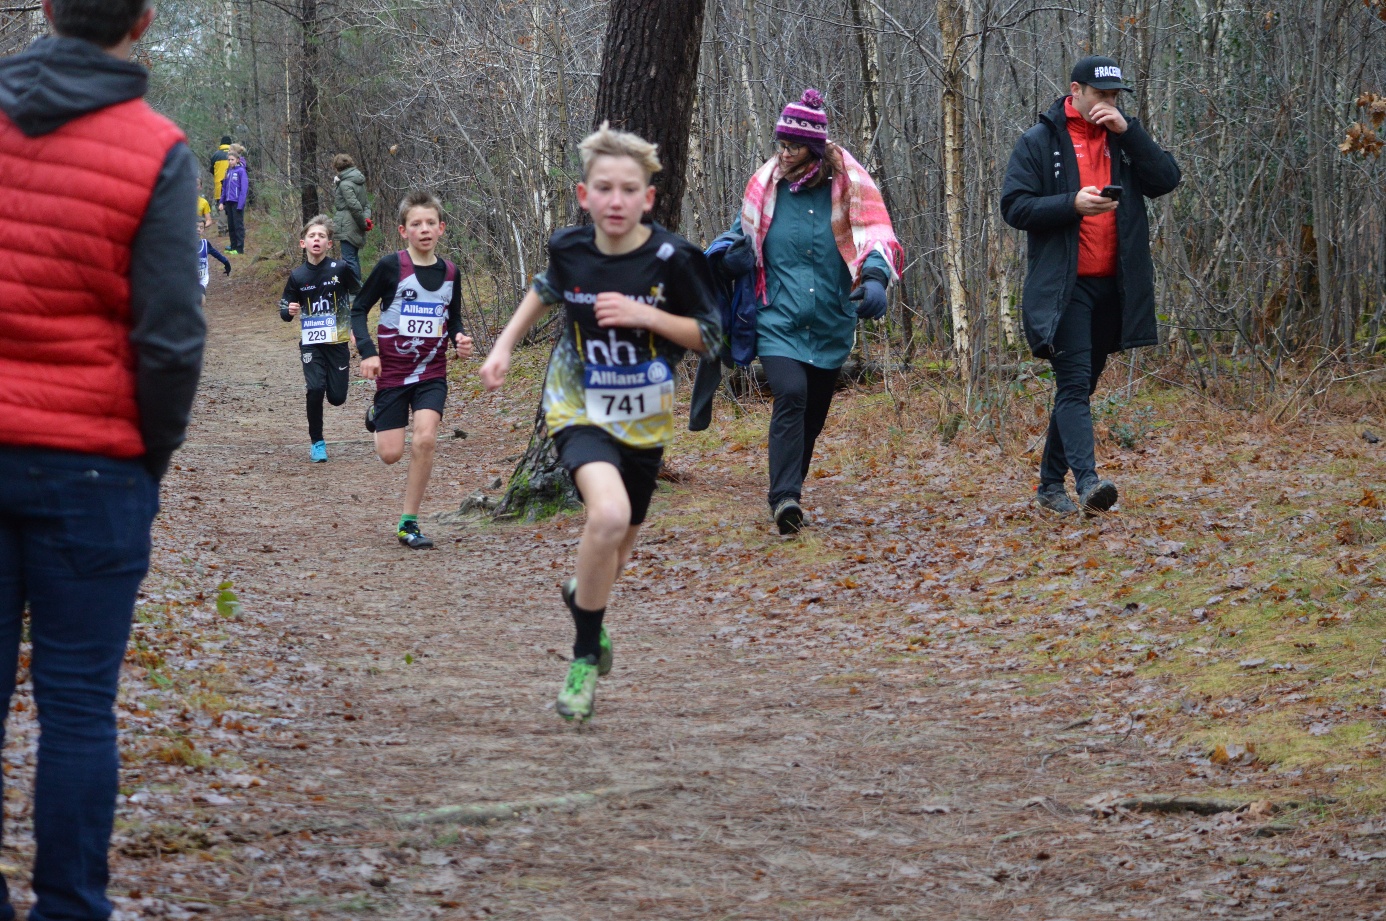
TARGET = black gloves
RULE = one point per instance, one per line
(739, 258)
(226, 269)
(871, 300)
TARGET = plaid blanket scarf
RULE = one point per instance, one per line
(860, 222)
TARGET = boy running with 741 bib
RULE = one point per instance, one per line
(420, 316)
(320, 291)
(636, 297)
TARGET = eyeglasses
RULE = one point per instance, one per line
(787, 147)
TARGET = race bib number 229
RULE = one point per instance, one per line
(319, 330)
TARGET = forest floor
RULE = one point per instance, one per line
(937, 702)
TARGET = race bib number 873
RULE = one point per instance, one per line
(422, 320)
(626, 393)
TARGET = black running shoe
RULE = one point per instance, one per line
(370, 418)
(1098, 497)
(410, 535)
(1055, 498)
(789, 516)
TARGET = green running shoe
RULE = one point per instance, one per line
(579, 694)
(410, 535)
(605, 659)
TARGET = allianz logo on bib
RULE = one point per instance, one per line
(1107, 72)
(608, 377)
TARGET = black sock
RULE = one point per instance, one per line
(589, 631)
(315, 414)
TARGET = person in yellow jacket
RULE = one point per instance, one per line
(217, 166)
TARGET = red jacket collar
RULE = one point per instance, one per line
(1078, 124)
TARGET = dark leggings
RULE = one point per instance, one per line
(315, 411)
(803, 394)
(235, 227)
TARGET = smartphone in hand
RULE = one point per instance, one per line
(1112, 191)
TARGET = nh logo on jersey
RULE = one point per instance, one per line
(611, 352)
(1107, 72)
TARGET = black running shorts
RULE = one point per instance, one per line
(586, 444)
(327, 366)
(392, 404)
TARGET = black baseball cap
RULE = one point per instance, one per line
(1100, 73)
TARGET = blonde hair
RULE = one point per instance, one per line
(238, 150)
(319, 220)
(608, 142)
(419, 199)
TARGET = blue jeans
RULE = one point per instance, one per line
(351, 256)
(1089, 331)
(74, 546)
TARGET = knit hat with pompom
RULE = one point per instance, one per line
(805, 122)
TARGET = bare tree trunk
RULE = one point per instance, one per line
(228, 9)
(563, 137)
(751, 73)
(308, 113)
(648, 81)
(951, 18)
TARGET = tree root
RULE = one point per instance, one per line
(1168, 802)
(1200, 805)
(482, 813)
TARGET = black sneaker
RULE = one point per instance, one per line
(370, 418)
(789, 516)
(1054, 497)
(410, 535)
(1098, 497)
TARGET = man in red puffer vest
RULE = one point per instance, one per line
(98, 369)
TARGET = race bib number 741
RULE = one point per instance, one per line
(626, 393)
(422, 320)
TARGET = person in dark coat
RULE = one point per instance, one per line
(1077, 184)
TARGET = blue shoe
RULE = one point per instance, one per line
(318, 452)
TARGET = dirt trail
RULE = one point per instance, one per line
(785, 781)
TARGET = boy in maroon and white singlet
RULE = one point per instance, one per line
(420, 315)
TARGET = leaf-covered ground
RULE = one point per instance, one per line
(936, 703)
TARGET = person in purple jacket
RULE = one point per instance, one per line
(233, 195)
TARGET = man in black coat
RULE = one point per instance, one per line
(1090, 289)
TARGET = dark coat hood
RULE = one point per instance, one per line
(56, 80)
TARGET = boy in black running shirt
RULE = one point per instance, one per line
(636, 296)
(325, 286)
